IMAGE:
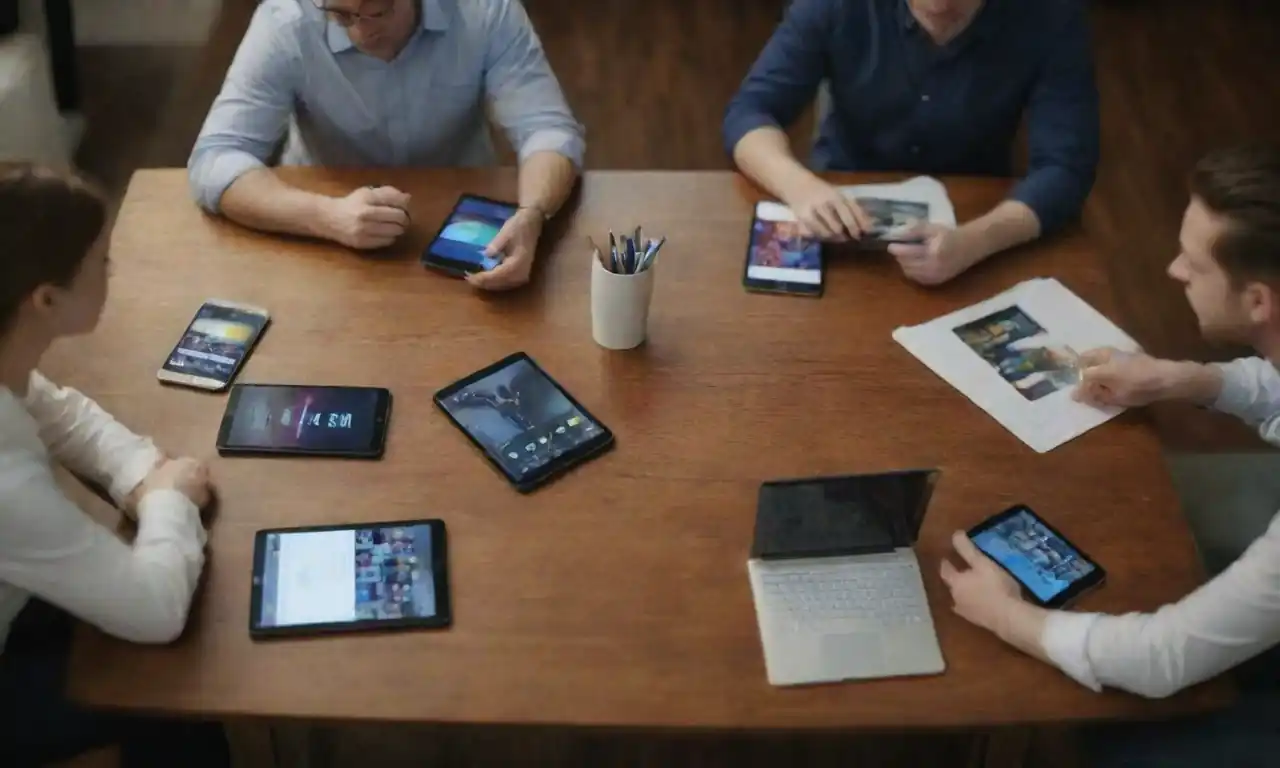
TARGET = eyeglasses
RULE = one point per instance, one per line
(379, 10)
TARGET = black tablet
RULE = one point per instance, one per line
(525, 423)
(458, 248)
(283, 419)
(350, 578)
(1051, 569)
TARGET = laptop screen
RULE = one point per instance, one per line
(828, 516)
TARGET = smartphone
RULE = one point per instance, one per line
(214, 346)
(1052, 571)
(458, 248)
(349, 578)
(780, 259)
(282, 419)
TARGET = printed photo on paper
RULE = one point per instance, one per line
(893, 219)
(1021, 351)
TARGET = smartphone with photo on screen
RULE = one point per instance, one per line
(1052, 571)
(458, 248)
(350, 578)
(301, 420)
(214, 346)
(779, 258)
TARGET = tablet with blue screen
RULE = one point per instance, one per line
(459, 246)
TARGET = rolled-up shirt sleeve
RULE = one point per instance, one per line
(87, 440)
(1063, 139)
(1224, 623)
(251, 113)
(524, 92)
(785, 78)
(1251, 393)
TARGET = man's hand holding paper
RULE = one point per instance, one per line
(943, 253)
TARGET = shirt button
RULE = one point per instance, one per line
(925, 97)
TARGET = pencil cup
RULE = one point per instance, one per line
(619, 307)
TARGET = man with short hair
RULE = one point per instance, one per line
(380, 83)
(1230, 269)
(926, 86)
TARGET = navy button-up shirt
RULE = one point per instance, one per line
(900, 102)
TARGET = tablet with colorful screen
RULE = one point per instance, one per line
(459, 247)
(525, 423)
(305, 420)
(1051, 569)
(342, 578)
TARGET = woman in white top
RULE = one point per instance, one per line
(53, 283)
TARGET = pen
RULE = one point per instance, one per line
(631, 256)
(651, 255)
(613, 253)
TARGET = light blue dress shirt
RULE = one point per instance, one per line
(297, 73)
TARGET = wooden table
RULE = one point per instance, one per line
(617, 595)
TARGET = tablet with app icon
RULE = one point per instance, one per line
(525, 423)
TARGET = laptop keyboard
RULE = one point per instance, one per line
(877, 592)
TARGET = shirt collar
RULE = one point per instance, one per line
(434, 19)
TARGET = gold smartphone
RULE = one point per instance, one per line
(215, 345)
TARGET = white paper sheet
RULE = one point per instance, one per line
(921, 189)
(1018, 365)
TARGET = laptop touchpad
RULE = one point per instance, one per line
(857, 653)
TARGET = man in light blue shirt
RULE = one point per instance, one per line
(385, 83)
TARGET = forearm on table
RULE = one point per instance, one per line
(1023, 628)
(546, 181)
(259, 199)
(139, 592)
(1009, 224)
(764, 155)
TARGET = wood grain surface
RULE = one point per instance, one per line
(617, 595)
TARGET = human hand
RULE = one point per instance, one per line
(186, 476)
(515, 244)
(368, 218)
(983, 594)
(942, 253)
(825, 213)
(1111, 377)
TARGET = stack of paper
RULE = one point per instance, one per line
(1017, 357)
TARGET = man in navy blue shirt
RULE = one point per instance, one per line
(928, 86)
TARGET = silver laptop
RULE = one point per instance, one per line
(836, 583)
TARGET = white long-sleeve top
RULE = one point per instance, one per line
(1225, 622)
(50, 548)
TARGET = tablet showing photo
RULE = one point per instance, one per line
(342, 578)
(525, 423)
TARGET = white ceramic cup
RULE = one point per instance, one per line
(620, 306)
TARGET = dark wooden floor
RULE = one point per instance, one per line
(650, 80)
